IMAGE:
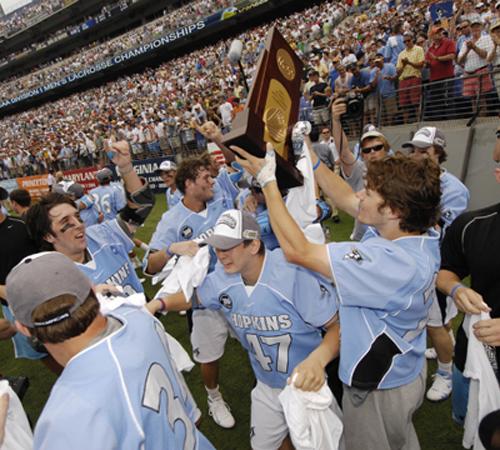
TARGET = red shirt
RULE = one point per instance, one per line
(441, 69)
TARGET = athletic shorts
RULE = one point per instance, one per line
(22, 344)
(442, 311)
(268, 425)
(209, 335)
(409, 91)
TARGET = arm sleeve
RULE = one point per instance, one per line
(454, 202)
(165, 233)
(314, 298)
(452, 253)
(361, 282)
(207, 297)
(110, 232)
(226, 183)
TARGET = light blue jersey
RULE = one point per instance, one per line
(172, 197)
(278, 323)
(108, 247)
(454, 198)
(109, 200)
(89, 215)
(122, 392)
(262, 216)
(385, 290)
(183, 224)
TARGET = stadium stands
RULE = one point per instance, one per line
(153, 109)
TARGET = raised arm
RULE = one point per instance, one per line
(346, 156)
(295, 246)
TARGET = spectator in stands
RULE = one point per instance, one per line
(409, 68)
(494, 55)
(395, 45)
(20, 200)
(439, 58)
(473, 55)
(386, 76)
(226, 114)
(319, 95)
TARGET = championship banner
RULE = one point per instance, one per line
(147, 168)
(128, 55)
(36, 185)
(84, 176)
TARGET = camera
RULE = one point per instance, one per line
(355, 105)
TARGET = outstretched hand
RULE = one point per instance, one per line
(263, 169)
(121, 151)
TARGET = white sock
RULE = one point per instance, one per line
(445, 367)
(213, 393)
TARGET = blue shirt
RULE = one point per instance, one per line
(391, 53)
(108, 247)
(363, 79)
(121, 392)
(385, 289)
(278, 323)
(172, 197)
(109, 200)
(183, 224)
(89, 215)
(387, 88)
(454, 198)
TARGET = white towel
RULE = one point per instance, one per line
(484, 392)
(313, 418)
(187, 274)
(181, 358)
(18, 435)
(301, 200)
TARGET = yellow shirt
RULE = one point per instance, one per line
(415, 55)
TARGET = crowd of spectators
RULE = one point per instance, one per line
(363, 56)
(70, 30)
(102, 49)
(30, 14)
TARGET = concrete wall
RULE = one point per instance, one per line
(469, 151)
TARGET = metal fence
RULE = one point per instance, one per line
(465, 97)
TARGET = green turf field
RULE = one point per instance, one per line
(433, 421)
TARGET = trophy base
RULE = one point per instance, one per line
(247, 128)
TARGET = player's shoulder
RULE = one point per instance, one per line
(450, 181)
(467, 221)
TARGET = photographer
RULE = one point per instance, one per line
(373, 146)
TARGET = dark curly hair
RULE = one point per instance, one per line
(38, 220)
(189, 169)
(409, 187)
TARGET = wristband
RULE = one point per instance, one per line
(163, 304)
(455, 288)
(316, 165)
(168, 252)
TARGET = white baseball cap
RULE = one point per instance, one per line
(167, 166)
(232, 228)
(425, 137)
(372, 133)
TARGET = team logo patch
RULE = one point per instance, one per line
(226, 301)
(187, 232)
(323, 289)
(447, 214)
(356, 255)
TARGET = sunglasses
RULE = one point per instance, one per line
(374, 148)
